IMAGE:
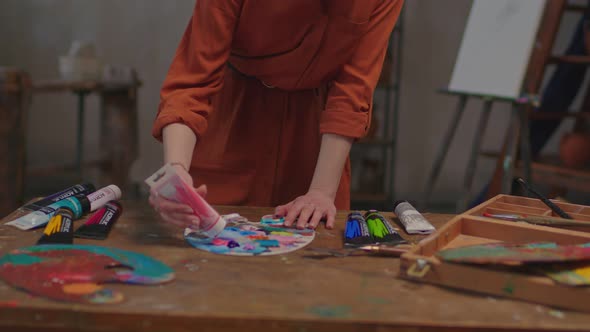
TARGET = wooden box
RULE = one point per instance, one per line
(507, 204)
(421, 264)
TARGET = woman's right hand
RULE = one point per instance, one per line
(175, 213)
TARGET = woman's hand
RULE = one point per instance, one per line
(308, 210)
(176, 213)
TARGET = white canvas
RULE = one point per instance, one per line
(496, 47)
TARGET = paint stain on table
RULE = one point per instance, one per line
(330, 311)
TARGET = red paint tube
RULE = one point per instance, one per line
(100, 223)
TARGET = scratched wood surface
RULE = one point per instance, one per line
(288, 292)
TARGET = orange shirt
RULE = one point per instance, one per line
(288, 44)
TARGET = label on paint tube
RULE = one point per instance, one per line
(99, 198)
(167, 183)
(413, 221)
(84, 189)
(59, 229)
(78, 205)
(99, 225)
(35, 205)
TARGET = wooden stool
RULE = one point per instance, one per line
(118, 138)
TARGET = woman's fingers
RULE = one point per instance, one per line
(315, 219)
(181, 220)
(331, 219)
(281, 210)
(292, 213)
(202, 190)
(306, 213)
(172, 220)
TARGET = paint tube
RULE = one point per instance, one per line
(413, 221)
(36, 205)
(59, 229)
(381, 230)
(167, 183)
(99, 198)
(78, 204)
(99, 224)
(356, 231)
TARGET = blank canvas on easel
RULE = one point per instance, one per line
(496, 47)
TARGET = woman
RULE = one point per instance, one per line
(264, 99)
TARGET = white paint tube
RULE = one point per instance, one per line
(79, 205)
(101, 197)
(413, 221)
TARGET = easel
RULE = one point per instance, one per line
(541, 58)
(518, 132)
(518, 121)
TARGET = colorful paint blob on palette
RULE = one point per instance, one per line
(76, 273)
(516, 254)
(253, 239)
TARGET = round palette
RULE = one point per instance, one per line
(253, 239)
(76, 273)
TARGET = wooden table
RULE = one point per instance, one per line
(289, 292)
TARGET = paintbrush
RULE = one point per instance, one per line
(386, 250)
(369, 250)
(544, 199)
(539, 220)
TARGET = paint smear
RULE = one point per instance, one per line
(9, 304)
(81, 288)
(330, 311)
(509, 254)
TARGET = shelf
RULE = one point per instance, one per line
(574, 7)
(383, 147)
(558, 177)
(558, 115)
(545, 159)
(393, 87)
(51, 170)
(548, 170)
(369, 197)
(574, 59)
(375, 141)
(86, 86)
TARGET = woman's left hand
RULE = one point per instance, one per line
(308, 210)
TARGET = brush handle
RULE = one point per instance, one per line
(550, 221)
(386, 251)
(544, 199)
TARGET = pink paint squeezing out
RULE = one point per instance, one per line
(167, 183)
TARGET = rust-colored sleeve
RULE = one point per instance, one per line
(196, 73)
(349, 104)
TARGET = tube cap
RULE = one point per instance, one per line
(396, 203)
(84, 202)
(116, 190)
(90, 188)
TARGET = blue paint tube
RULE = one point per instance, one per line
(78, 204)
(356, 232)
(79, 189)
